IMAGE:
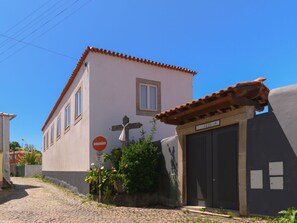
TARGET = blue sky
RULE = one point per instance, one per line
(226, 41)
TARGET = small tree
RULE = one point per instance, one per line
(32, 157)
(13, 146)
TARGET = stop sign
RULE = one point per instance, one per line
(99, 143)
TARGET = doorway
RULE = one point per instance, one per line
(212, 168)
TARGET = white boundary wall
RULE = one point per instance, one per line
(31, 170)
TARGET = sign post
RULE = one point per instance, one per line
(99, 144)
(125, 127)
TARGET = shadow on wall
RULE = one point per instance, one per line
(168, 167)
(16, 193)
(267, 145)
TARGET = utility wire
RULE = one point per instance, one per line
(40, 27)
(15, 52)
(25, 27)
(26, 17)
(36, 21)
(38, 47)
(62, 20)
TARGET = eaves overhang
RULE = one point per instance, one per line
(251, 93)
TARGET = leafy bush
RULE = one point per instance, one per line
(92, 178)
(114, 157)
(134, 169)
(109, 184)
(31, 158)
(139, 167)
(288, 216)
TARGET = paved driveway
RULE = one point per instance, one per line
(35, 201)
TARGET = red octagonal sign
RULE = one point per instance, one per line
(99, 143)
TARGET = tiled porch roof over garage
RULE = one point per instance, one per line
(253, 93)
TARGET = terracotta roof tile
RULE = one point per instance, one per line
(258, 93)
(114, 54)
(140, 60)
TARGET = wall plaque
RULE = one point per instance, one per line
(207, 125)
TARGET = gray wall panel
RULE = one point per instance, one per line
(168, 181)
(74, 178)
(267, 142)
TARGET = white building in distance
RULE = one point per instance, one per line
(103, 88)
(4, 148)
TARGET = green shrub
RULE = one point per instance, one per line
(92, 178)
(110, 181)
(139, 167)
(32, 157)
(288, 216)
(134, 169)
(114, 157)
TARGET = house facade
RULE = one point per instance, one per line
(104, 87)
(4, 148)
(16, 157)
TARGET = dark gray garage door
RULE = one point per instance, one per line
(212, 178)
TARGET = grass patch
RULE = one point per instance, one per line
(65, 190)
(87, 199)
(200, 220)
(224, 212)
(204, 220)
(101, 205)
(37, 176)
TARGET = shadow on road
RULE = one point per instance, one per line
(18, 192)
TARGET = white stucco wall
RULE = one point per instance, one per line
(4, 145)
(109, 92)
(33, 170)
(71, 151)
(113, 95)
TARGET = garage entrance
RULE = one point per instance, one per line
(212, 145)
(212, 168)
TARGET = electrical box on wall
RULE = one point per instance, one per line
(276, 169)
(256, 179)
(276, 175)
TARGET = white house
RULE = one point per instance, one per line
(4, 148)
(104, 87)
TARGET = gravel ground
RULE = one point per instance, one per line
(33, 200)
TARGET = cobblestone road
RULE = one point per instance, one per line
(37, 201)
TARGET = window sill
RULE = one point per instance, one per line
(58, 137)
(77, 119)
(146, 112)
(67, 130)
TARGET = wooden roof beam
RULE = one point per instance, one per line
(242, 101)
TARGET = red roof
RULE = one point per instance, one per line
(253, 93)
(114, 54)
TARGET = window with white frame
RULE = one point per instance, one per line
(44, 143)
(67, 116)
(52, 134)
(148, 97)
(58, 127)
(78, 103)
(46, 140)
